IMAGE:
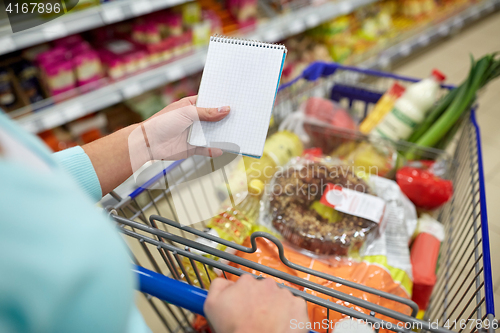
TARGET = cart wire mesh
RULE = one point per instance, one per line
(463, 292)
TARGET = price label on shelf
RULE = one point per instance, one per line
(253, 37)
(174, 73)
(475, 13)
(384, 62)
(458, 22)
(345, 7)
(296, 27)
(7, 45)
(424, 40)
(175, 2)
(141, 7)
(490, 6)
(312, 20)
(30, 126)
(52, 118)
(131, 90)
(405, 50)
(272, 35)
(444, 30)
(112, 13)
(74, 111)
(54, 31)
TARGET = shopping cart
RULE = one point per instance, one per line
(463, 295)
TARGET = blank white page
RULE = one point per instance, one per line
(245, 76)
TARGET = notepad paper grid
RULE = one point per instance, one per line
(245, 76)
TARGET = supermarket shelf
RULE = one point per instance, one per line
(293, 23)
(80, 21)
(272, 31)
(431, 35)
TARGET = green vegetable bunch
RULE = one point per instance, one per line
(452, 106)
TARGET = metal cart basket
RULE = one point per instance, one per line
(462, 299)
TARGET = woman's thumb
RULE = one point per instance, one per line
(213, 114)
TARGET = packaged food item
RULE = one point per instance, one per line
(371, 275)
(329, 112)
(370, 156)
(191, 13)
(383, 106)
(27, 75)
(422, 186)
(60, 76)
(87, 67)
(123, 57)
(7, 95)
(231, 225)
(114, 67)
(410, 109)
(50, 138)
(243, 10)
(201, 33)
(194, 270)
(291, 208)
(174, 24)
(279, 148)
(54, 55)
(424, 256)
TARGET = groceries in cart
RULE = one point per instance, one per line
(301, 200)
(424, 257)
(421, 183)
(382, 108)
(445, 115)
(410, 109)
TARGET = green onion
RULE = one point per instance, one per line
(451, 107)
(461, 103)
(435, 113)
(438, 110)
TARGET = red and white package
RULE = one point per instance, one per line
(353, 202)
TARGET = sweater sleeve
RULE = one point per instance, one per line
(77, 163)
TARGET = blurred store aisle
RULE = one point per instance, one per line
(452, 57)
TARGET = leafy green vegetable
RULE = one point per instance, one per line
(451, 107)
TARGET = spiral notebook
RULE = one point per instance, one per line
(244, 75)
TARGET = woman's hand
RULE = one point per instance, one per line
(161, 137)
(251, 305)
(164, 135)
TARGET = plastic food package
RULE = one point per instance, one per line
(290, 206)
(279, 148)
(384, 265)
(424, 256)
(206, 275)
(383, 107)
(360, 272)
(329, 112)
(421, 183)
(376, 158)
(231, 225)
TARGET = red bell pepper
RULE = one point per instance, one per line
(423, 188)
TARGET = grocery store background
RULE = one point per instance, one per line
(89, 96)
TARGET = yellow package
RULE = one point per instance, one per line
(382, 108)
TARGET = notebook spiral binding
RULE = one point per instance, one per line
(246, 42)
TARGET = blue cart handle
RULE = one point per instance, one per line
(172, 291)
(320, 69)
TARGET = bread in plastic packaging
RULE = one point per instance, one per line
(291, 206)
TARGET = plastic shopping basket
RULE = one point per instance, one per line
(463, 292)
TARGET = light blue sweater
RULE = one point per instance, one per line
(63, 265)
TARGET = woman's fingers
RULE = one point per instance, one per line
(213, 114)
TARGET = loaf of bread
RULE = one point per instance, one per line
(293, 192)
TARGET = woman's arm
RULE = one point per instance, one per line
(163, 136)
